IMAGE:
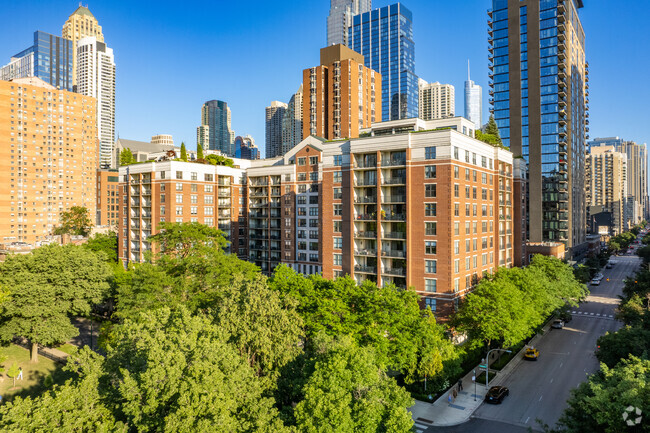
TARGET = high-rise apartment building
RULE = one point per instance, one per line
(412, 203)
(215, 132)
(108, 198)
(385, 38)
(274, 116)
(340, 18)
(164, 139)
(341, 96)
(292, 123)
(81, 24)
(473, 101)
(437, 101)
(539, 89)
(50, 59)
(177, 191)
(96, 78)
(606, 184)
(49, 139)
(245, 148)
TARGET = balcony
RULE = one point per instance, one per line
(365, 252)
(365, 165)
(367, 235)
(393, 253)
(394, 217)
(399, 180)
(365, 182)
(362, 200)
(394, 235)
(398, 272)
(365, 269)
(367, 217)
(393, 162)
(394, 199)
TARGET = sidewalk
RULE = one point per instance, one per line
(442, 413)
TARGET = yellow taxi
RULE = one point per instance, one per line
(531, 353)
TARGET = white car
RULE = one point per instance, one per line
(595, 282)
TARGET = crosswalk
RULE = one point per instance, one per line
(594, 315)
(422, 424)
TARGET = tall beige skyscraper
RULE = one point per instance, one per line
(81, 24)
(437, 101)
(606, 183)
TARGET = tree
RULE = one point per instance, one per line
(76, 406)
(183, 152)
(104, 243)
(75, 221)
(491, 134)
(598, 405)
(48, 286)
(13, 372)
(630, 340)
(199, 151)
(219, 160)
(492, 128)
(350, 392)
(126, 157)
(171, 371)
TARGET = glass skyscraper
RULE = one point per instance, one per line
(385, 39)
(473, 101)
(50, 59)
(215, 132)
(539, 95)
(340, 18)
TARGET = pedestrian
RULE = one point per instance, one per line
(449, 398)
(20, 373)
(460, 385)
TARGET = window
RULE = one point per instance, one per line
(467, 210)
(456, 266)
(194, 188)
(302, 189)
(179, 187)
(467, 228)
(338, 209)
(208, 199)
(338, 226)
(208, 210)
(484, 193)
(302, 177)
(430, 285)
(194, 199)
(338, 177)
(208, 188)
(313, 160)
(179, 198)
(430, 190)
(474, 193)
(162, 198)
(208, 177)
(193, 175)
(338, 259)
(456, 209)
(468, 264)
(430, 209)
(467, 192)
(302, 211)
(162, 174)
(179, 210)
(430, 172)
(430, 266)
(194, 210)
(456, 190)
(302, 161)
(430, 247)
(338, 243)
(467, 174)
(313, 223)
(313, 199)
(484, 178)
(338, 193)
(430, 303)
(456, 228)
(456, 247)
(338, 160)
(430, 229)
(179, 175)
(313, 211)
(430, 153)
(456, 172)
(162, 210)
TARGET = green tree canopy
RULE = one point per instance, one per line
(598, 404)
(75, 221)
(199, 151)
(491, 134)
(630, 340)
(48, 286)
(126, 157)
(219, 160)
(183, 152)
(104, 243)
(350, 392)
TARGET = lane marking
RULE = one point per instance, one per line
(540, 397)
(551, 380)
(527, 420)
(561, 364)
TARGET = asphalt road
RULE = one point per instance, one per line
(539, 389)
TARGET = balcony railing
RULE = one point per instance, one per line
(395, 181)
(393, 253)
(395, 271)
(365, 200)
(365, 269)
(365, 252)
(394, 199)
(394, 217)
(393, 162)
(395, 235)
(365, 235)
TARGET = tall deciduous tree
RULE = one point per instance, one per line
(199, 151)
(350, 392)
(126, 157)
(47, 286)
(75, 221)
(104, 243)
(183, 152)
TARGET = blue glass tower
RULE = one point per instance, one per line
(539, 88)
(385, 39)
(52, 61)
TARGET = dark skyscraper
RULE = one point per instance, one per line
(385, 39)
(539, 97)
(215, 132)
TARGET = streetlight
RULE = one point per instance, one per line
(487, 365)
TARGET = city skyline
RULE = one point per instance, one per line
(136, 93)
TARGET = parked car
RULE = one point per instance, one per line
(496, 394)
(608, 265)
(531, 353)
(599, 276)
(595, 282)
(557, 324)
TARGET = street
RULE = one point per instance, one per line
(539, 389)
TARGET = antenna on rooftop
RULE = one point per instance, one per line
(468, 79)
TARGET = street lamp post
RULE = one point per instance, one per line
(487, 365)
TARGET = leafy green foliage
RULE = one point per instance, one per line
(75, 221)
(507, 307)
(219, 160)
(350, 392)
(47, 286)
(183, 152)
(491, 134)
(126, 157)
(630, 340)
(104, 243)
(598, 404)
(199, 151)
(13, 372)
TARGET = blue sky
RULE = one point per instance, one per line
(173, 56)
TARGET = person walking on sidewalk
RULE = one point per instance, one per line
(460, 385)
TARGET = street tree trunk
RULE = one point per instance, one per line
(34, 352)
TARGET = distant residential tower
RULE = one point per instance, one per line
(473, 101)
(215, 132)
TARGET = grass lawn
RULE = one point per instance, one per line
(481, 377)
(33, 373)
(68, 348)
